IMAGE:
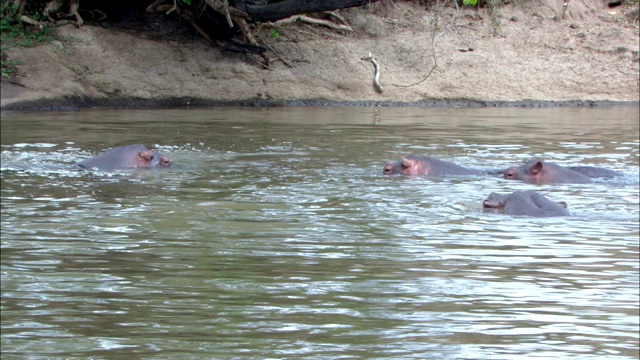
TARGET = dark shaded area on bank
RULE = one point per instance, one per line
(79, 103)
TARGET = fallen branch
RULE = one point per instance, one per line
(376, 78)
(313, 21)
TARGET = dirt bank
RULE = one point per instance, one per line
(518, 55)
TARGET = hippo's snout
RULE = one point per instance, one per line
(164, 161)
(158, 160)
(388, 169)
(491, 204)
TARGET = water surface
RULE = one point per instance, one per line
(275, 235)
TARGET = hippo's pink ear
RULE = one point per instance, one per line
(536, 168)
(146, 155)
(408, 163)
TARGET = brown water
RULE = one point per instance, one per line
(275, 235)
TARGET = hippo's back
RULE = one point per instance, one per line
(116, 158)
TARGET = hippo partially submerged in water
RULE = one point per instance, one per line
(540, 172)
(525, 203)
(426, 166)
(126, 157)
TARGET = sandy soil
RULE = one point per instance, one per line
(524, 55)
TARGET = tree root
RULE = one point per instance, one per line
(308, 20)
(27, 20)
(54, 7)
(231, 14)
(335, 15)
(221, 6)
(238, 46)
(185, 14)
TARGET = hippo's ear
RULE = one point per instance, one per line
(407, 163)
(146, 155)
(536, 168)
(563, 204)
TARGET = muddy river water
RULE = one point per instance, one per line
(276, 235)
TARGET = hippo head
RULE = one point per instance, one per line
(409, 165)
(392, 168)
(511, 173)
(494, 201)
(526, 172)
(525, 203)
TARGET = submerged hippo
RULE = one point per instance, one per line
(525, 203)
(541, 172)
(595, 172)
(425, 165)
(123, 157)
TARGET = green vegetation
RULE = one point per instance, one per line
(14, 33)
(274, 34)
(9, 68)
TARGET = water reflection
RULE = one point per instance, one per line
(276, 235)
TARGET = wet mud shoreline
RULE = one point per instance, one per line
(76, 104)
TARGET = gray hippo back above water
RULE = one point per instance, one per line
(595, 172)
(126, 157)
(427, 166)
(541, 172)
(525, 203)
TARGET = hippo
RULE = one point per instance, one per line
(425, 165)
(595, 172)
(525, 203)
(541, 172)
(124, 157)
